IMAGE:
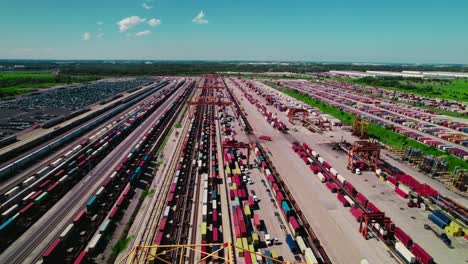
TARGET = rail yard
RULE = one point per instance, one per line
(214, 169)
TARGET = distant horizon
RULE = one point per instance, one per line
(363, 63)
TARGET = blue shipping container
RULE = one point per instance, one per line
(7, 224)
(133, 177)
(442, 217)
(286, 208)
(268, 254)
(91, 201)
(213, 195)
(291, 243)
(138, 170)
(437, 221)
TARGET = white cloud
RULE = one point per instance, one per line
(100, 23)
(100, 35)
(146, 6)
(143, 33)
(154, 22)
(129, 22)
(200, 18)
(86, 36)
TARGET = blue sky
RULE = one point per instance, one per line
(413, 31)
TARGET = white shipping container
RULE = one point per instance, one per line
(333, 171)
(391, 185)
(341, 178)
(28, 181)
(321, 160)
(64, 178)
(166, 211)
(310, 257)
(204, 211)
(404, 188)
(27, 196)
(300, 243)
(321, 177)
(350, 201)
(57, 162)
(12, 191)
(315, 154)
(404, 252)
(66, 231)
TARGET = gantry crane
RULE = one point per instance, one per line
(158, 254)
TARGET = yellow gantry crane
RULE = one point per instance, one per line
(157, 253)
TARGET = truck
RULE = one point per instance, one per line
(268, 240)
(442, 236)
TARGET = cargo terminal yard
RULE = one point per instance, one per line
(212, 169)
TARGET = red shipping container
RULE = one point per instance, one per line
(247, 258)
(81, 257)
(257, 220)
(401, 193)
(232, 195)
(421, 255)
(342, 200)
(275, 187)
(251, 201)
(162, 226)
(26, 208)
(331, 187)
(403, 237)
(243, 228)
(214, 217)
(237, 231)
(356, 212)
(372, 207)
(361, 199)
(279, 196)
(113, 212)
(215, 234)
(294, 224)
(159, 238)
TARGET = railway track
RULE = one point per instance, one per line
(152, 216)
(20, 251)
(44, 207)
(156, 138)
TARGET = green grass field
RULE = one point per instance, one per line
(15, 83)
(455, 89)
(385, 135)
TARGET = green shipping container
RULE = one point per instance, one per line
(41, 197)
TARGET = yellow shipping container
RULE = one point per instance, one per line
(455, 226)
(255, 239)
(245, 244)
(234, 186)
(274, 254)
(247, 210)
(239, 247)
(252, 254)
(203, 229)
